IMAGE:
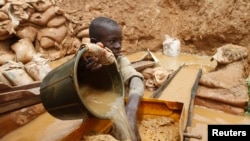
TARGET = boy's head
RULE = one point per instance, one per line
(108, 32)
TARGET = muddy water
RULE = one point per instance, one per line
(108, 104)
(98, 101)
(203, 116)
(43, 128)
(202, 62)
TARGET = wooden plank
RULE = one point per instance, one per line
(5, 88)
(16, 100)
(19, 97)
(18, 118)
(180, 89)
(13, 95)
(138, 56)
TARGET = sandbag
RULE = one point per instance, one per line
(24, 50)
(6, 54)
(38, 68)
(4, 80)
(15, 73)
(28, 31)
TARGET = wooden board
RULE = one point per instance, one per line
(17, 99)
(4, 86)
(14, 98)
(13, 120)
(138, 56)
(180, 89)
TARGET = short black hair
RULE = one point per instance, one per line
(97, 24)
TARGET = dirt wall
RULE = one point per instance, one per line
(201, 25)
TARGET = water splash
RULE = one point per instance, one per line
(121, 127)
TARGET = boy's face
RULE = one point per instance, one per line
(111, 37)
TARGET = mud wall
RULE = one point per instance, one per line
(201, 25)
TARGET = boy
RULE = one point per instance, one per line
(108, 32)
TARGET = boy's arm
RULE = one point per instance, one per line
(135, 83)
(136, 91)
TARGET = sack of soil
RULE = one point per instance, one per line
(5, 53)
(24, 50)
(4, 80)
(15, 73)
(38, 68)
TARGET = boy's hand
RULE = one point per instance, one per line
(92, 64)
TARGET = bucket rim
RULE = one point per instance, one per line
(75, 79)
